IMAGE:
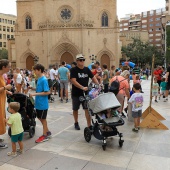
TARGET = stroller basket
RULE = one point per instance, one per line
(103, 102)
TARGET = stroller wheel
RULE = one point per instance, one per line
(9, 131)
(104, 147)
(31, 131)
(87, 134)
(121, 143)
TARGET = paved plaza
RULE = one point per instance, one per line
(67, 150)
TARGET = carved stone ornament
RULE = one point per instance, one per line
(75, 24)
(105, 41)
(28, 42)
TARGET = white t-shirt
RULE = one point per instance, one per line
(52, 73)
(137, 101)
(19, 78)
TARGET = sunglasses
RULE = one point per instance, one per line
(81, 60)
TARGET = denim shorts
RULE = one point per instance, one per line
(16, 138)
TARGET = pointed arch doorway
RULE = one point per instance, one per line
(105, 59)
(67, 57)
(29, 62)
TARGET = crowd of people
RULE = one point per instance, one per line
(43, 83)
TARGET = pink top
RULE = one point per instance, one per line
(123, 84)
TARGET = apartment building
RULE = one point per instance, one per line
(149, 21)
(7, 29)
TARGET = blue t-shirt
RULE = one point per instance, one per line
(63, 73)
(41, 102)
(163, 85)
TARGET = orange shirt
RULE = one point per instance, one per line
(123, 84)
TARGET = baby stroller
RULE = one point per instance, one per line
(103, 127)
(27, 112)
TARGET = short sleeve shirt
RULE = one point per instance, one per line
(63, 71)
(158, 74)
(123, 84)
(41, 102)
(82, 77)
(52, 73)
(137, 101)
(16, 124)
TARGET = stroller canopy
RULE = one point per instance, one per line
(103, 102)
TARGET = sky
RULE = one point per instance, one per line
(123, 6)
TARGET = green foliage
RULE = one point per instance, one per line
(3, 54)
(141, 53)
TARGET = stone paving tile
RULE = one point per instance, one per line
(84, 151)
(149, 162)
(32, 159)
(115, 158)
(157, 149)
(54, 145)
(97, 166)
(64, 163)
(11, 167)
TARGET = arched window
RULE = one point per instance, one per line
(28, 22)
(104, 19)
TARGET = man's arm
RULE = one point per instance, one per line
(95, 80)
(75, 83)
(167, 74)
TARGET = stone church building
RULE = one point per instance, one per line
(57, 30)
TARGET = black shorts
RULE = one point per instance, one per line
(168, 86)
(76, 103)
(41, 114)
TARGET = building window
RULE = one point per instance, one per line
(8, 36)
(8, 29)
(158, 24)
(125, 24)
(151, 19)
(4, 36)
(4, 28)
(125, 29)
(13, 22)
(158, 29)
(28, 22)
(0, 19)
(157, 19)
(0, 44)
(144, 26)
(12, 36)
(151, 30)
(4, 44)
(151, 25)
(159, 34)
(0, 36)
(12, 30)
(0, 27)
(104, 20)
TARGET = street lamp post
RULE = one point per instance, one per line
(93, 58)
(167, 23)
(36, 59)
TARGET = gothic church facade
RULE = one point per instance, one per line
(57, 30)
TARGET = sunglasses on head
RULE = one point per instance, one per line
(81, 60)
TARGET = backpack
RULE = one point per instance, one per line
(115, 86)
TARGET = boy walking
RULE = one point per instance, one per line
(41, 101)
(14, 121)
(137, 102)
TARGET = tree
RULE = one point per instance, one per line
(3, 54)
(168, 44)
(141, 53)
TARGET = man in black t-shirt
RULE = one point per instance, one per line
(168, 83)
(79, 76)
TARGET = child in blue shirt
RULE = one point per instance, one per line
(41, 101)
(163, 88)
